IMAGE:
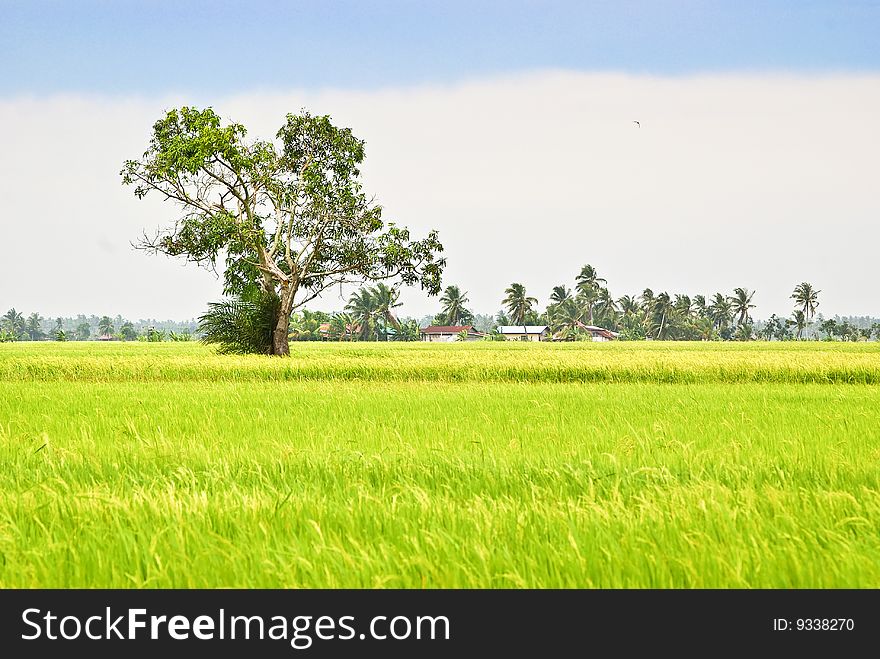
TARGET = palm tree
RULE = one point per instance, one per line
(560, 294)
(83, 331)
(587, 298)
(700, 305)
(588, 278)
(566, 318)
(385, 299)
(704, 328)
(362, 306)
(683, 304)
(646, 300)
(743, 333)
(740, 305)
(663, 316)
(105, 326)
(35, 327)
(587, 286)
(242, 324)
(14, 323)
(304, 326)
(720, 311)
(58, 332)
(409, 331)
(606, 307)
(453, 301)
(800, 322)
(342, 327)
(628, 305)
(807, 299)
(517, 303)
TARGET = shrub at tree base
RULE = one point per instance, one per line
(242, 324)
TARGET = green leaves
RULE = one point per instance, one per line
(291, 220)
(187, 140)
(242, 324)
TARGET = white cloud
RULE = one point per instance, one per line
(749, 180)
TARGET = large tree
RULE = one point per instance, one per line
(287, 217)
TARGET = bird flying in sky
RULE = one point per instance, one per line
(637, 123)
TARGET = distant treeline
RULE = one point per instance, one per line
(18, 326)
(371, 315)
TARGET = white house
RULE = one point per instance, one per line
(596, 333)
(449, 333)
(600, 333)
(524, 332)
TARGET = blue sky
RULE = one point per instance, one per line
(506, 126)
(124, 47)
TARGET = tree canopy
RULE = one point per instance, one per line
(288, 217)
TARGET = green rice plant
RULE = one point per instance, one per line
(658, 362)
(463, 465)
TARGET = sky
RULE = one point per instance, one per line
(508, 127)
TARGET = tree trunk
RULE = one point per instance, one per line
(280, 340)
(280, 344)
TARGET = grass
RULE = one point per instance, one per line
(472, 465)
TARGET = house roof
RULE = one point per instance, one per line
(448, 329)
(607, 333)
(518, 329)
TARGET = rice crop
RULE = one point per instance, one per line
(426, 466)
(678, 363)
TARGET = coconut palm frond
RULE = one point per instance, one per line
(241, 325)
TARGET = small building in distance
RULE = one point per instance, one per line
(449, 333)
(597, 333)
(524, 332)
(600, 333)
(324, 332)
